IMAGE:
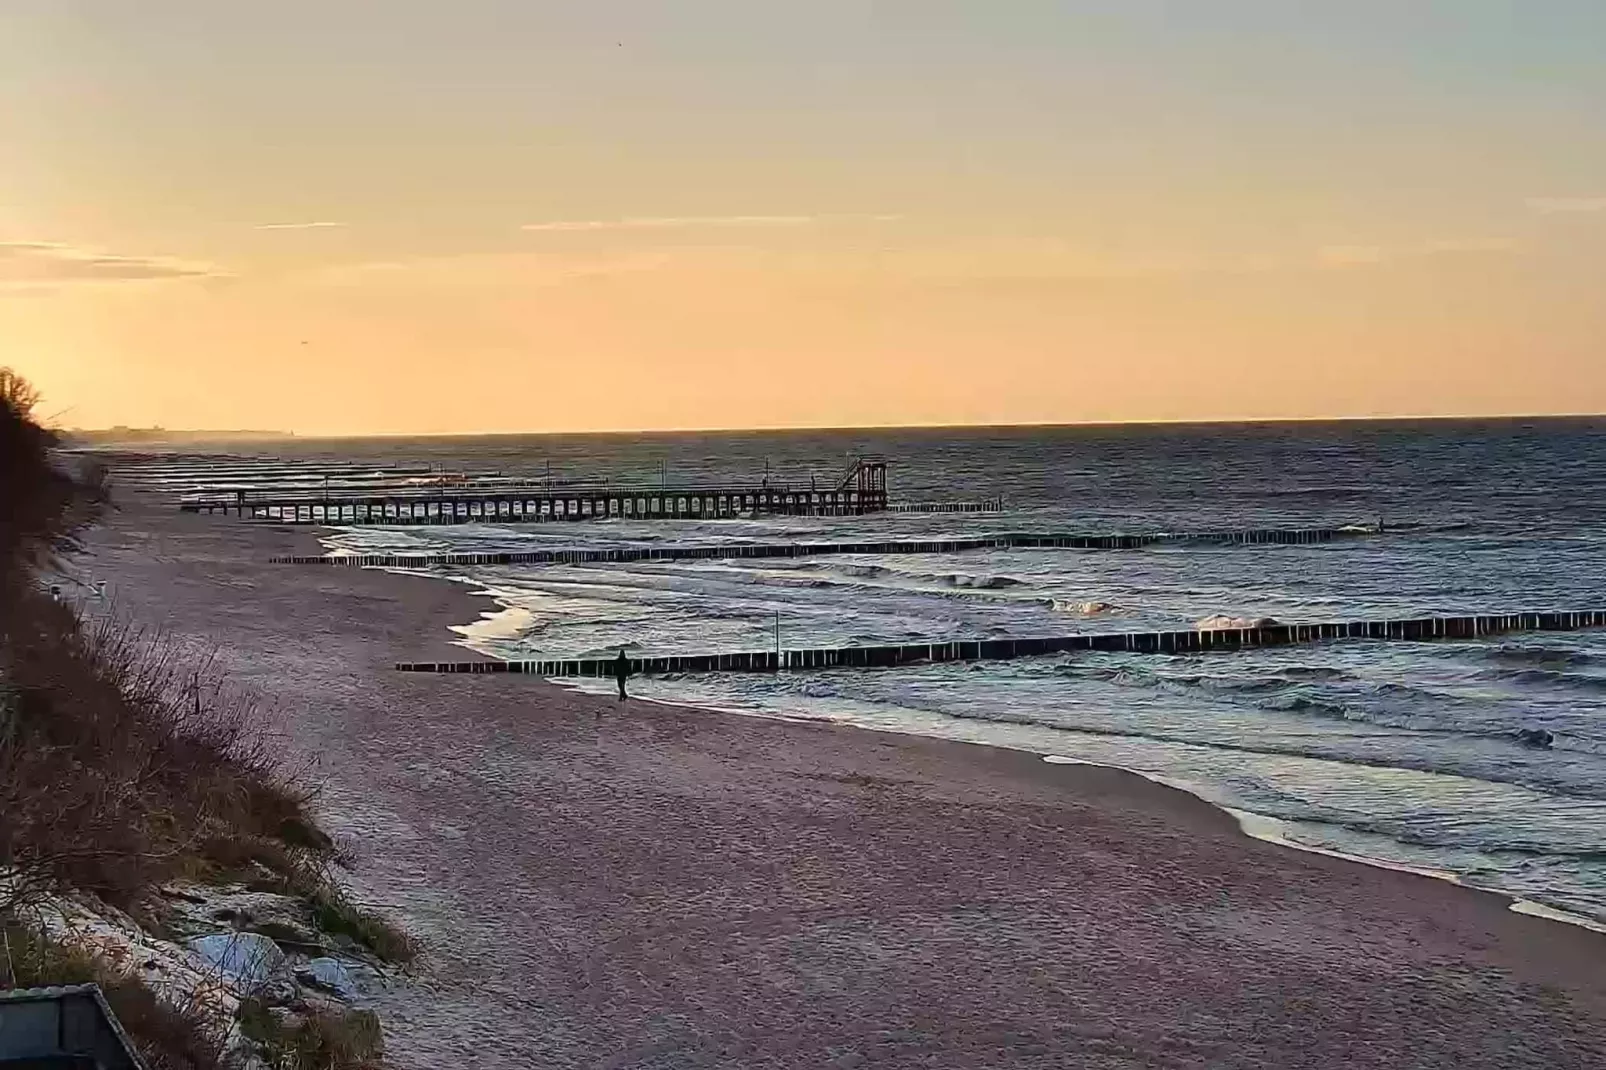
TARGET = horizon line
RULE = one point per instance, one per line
(820, 428)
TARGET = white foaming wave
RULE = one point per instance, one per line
(1223, 622)
(508, 622)
(1539, 910)
(1086, 609)
(865, 571)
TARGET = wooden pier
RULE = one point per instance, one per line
(1416, 629)
(862, 491)
(732, 551)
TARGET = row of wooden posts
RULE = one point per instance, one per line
(1000, 541)
(534, 506)
(1418, 629)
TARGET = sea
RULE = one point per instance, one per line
(1402, 754)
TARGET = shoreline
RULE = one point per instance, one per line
(1247, 820)
(648, 882)
(1268, 829)
(1263, 828)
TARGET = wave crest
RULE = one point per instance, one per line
(1223, 621)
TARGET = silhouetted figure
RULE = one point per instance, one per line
(621, 671)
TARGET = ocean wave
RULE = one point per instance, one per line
(611, 650)
(1086, 609)
(1523, 654)
(1267, 693)
(959, 579)
(1237, 685)
(863, 572)
(1513, 776)
(1545, 678)
(1460, 838)
(1313, 672)
(1223, 622)
(1297, 703)
(1412, 692)
(1283, 678)
(1316, 691)
(963, 580)
(1321, 492)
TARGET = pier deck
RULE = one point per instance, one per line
(862, 491)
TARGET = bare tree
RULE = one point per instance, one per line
(17, 393)
(44, 502)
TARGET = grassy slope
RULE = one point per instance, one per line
(127, 763)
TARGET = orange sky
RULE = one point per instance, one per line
(524, 216)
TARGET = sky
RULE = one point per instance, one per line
(415, 216)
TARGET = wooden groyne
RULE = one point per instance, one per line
(1415, 629)
(1006, 541)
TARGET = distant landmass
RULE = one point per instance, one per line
(120, 434)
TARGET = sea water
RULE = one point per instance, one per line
(1406, 753)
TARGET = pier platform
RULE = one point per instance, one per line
(862, 491)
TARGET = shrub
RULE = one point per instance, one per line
(317, 1040)
(46, 503)
(333, 913)
(124, 760)
(124, 765)
(127, 762)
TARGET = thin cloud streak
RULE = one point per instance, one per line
(1554, 205)
(1357, 255)
(316, 225)
(690, 222)
(47, 263)
(481, 269)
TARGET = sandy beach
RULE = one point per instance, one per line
(636, 885)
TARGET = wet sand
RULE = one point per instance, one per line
(636, 885)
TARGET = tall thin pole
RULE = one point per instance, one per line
(777, 639)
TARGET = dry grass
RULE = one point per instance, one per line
(333, 913)
(264, 865)
(317, 1040)
(182, 1038)
(124, 764)
(125, 760)
(170, 1038)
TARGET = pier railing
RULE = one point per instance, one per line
(530, 504)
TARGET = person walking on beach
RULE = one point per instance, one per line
(621, 671)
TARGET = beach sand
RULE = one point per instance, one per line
(607, 885)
